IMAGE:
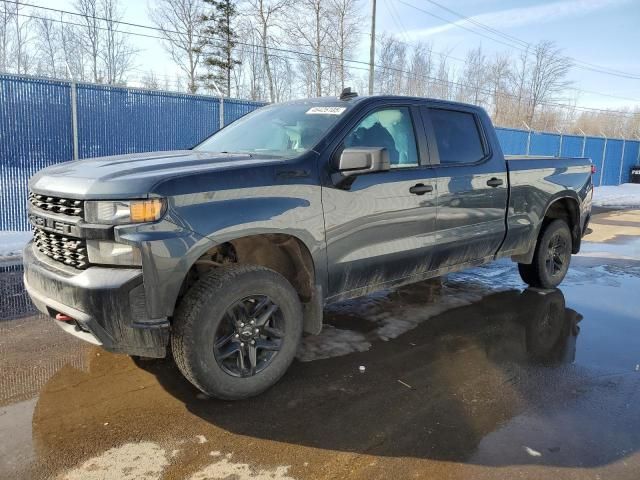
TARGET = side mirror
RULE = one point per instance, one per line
(360, 160)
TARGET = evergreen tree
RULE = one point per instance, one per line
(220, 40)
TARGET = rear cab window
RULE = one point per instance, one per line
(457, 136)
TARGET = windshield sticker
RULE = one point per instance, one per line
(325, 110)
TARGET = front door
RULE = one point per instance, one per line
(380, 228)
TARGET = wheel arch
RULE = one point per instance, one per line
(567, 208)
(284, 253)
(564, 206)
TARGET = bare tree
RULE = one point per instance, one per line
(548, 75)
(90, 35)
(623, 123)
(311, 30)
(238, 75)
(150, 81)
(48, 46)
(252, 61)
(265, 14)
(7, 14)
(391, 66)
(420, 70)
(283, 77)
(20, 37)
(475, 79)
(498, 78)
(442, 83)
(344, 29)
(519, 83)
(180, 23)
(74, 57)
(116, 53)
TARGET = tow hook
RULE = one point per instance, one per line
(61, 317)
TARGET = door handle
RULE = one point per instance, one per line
(495, 182)
(421, 189)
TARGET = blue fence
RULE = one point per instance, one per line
(612, 157)
(36, 130)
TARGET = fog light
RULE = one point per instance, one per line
(112, 253)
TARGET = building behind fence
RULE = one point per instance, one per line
(43, 122)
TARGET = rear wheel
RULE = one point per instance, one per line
(236, 331)
(551, 258)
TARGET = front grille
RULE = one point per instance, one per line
(67, 250)
(66, 206)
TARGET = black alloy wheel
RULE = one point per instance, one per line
(557, 253)
(249, 336)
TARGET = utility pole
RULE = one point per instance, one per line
(372, 50)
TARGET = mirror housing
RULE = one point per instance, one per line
(360, 160)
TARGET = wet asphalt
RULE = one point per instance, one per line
(469, 376)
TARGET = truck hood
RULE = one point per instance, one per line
(133, 175)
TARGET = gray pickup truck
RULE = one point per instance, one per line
(229, 251)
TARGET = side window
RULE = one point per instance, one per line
(457, 136)
(390, 128)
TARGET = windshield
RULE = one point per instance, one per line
(285, 131)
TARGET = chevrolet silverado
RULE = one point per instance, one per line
(224, 254)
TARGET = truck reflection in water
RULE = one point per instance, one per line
(540, 330)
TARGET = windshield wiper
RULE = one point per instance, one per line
(239, 152)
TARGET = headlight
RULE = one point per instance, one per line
(125, 211)
(112, 253)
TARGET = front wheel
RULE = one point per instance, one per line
(236, 331)
(551, 258)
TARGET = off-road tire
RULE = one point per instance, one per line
(537, 274)
(203, 308)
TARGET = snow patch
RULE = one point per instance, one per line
(131, 461)
(332, 342)
(385, 317)
(12, 243)
(626, 195)
(621, 251)
(532, 452)
(224, 469)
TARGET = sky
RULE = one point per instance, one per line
(604, 33)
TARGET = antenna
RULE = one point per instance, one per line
(348, 94)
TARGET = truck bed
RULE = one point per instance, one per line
(534, 181)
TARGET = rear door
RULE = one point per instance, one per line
(380, 226)
(472, 185)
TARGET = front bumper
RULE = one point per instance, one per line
(107, 304)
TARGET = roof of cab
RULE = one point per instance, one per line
(352, 101)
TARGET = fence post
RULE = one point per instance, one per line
(624, 144)
(74, 118)
(220, 105)
(528, 137)
(221, 121)
(604, 157)
(560, 146)
(584, 141)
